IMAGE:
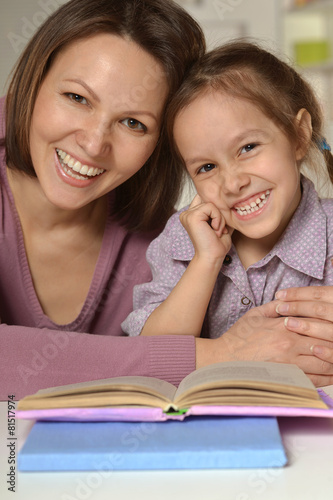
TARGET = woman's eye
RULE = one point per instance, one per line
(77, 98)
(133, 124)
(248, 148)
(207, 168)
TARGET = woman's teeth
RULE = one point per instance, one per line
(70, 165)
(254, 206)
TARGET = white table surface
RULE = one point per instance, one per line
(308, 475)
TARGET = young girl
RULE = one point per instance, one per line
(243, 123)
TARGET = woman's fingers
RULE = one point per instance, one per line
(315, 328)
(307, 309)
(306, 293)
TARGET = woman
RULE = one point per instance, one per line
(84, 119)
(82, 174)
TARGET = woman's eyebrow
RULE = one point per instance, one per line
(85, 85)
(97, 99)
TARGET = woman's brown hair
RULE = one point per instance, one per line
(245, 70)
(165, 31)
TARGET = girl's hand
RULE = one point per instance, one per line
(206, 227)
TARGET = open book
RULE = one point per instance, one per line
(236, 384)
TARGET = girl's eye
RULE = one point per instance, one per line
(133, 124)
(207, 168)
(77, 98)
(248, 148)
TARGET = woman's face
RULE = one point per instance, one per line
(96, 119)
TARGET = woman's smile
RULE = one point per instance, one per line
(73, 171)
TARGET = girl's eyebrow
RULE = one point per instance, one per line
(243, 136)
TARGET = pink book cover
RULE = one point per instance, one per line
(140, 414)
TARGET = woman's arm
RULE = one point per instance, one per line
(32, 359)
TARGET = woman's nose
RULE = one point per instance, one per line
(95, 140)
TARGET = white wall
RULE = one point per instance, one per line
(221, 20)
(224, 19)
(19, 19)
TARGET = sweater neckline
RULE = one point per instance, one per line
(95, 288)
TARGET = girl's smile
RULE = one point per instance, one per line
(253, 206)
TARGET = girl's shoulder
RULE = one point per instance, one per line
(327, 207)
(174, 240)
(174, 227)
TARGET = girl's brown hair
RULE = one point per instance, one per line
(246, 70)
(165, 31)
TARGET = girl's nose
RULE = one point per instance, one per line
(233, 181)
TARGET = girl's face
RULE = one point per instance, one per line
(96, 119)
(242, 162)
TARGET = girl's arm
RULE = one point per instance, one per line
(183, 311)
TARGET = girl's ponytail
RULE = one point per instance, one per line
(325, 149)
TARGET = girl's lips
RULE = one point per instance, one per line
(252, 204)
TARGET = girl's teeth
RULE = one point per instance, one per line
(70, 164)
(254, 206)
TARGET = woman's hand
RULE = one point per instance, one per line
(206, 227)
(309, 311)
(261, 335)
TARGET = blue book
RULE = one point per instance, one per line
(195, 443)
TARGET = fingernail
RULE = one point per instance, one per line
(282, 308)
(281, 294)
(317, 349)
(292, 322)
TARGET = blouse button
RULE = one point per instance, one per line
(245, 301)
(227, 260)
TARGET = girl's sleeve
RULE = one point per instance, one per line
(33, 359)
(166, 271)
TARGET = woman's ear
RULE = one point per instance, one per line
(303, 124)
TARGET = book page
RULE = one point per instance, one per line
(116, 388)
(101, 399)
(285, 378)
